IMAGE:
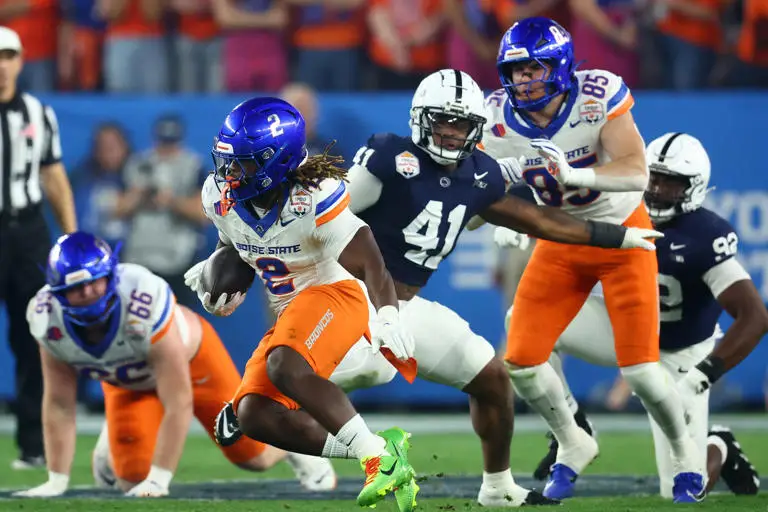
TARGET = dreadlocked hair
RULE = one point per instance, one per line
(319, 167)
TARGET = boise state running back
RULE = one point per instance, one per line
(423, 208)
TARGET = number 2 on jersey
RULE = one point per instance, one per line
(424, 232)
(274, 272)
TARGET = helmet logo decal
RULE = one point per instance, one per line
(274, 125)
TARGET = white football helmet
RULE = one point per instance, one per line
(447, 96)
(680, 156)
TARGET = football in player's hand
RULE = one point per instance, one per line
(226, 272)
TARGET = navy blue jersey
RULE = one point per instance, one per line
(693, 243)
(423, 207)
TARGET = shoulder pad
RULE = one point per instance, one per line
(494, 107)
(148, 297)
(330, 199)
(379, 154)
(210, 196)
(39, 311)
(606, 89)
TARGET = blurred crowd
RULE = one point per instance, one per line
(164, 46)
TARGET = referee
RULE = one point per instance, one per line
(30, 165)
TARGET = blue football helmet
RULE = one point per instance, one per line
(79, 258)
(545, 42)
(259, 144)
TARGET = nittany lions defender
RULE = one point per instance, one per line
(417, 193)
(159, 364)
(699, 276)
(580, 152)
(286, 214)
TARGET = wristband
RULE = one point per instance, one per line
(603, 234)
(713, 367)
(582, 178)
(160, 476)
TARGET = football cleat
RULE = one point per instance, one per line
(562, 480)
(314, 473)
(737, 471)
(688, 488)
(405, 496)
(227, 429)
(385, 473)
(511, 498)
(542, 470)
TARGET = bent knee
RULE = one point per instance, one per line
(648, 380)
(491, 384)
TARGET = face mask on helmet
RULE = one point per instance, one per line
(665, 195)
(447, 137)
(531, 84)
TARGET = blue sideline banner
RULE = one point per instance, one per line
(723, 121)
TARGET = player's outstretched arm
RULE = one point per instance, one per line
(59, 426)
(555, 225)
(626, 172)
(167, 357)
(743, 302)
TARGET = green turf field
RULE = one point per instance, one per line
(433, 456)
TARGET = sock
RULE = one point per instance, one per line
(542, 389)
(500, 480)
(359, 439)
(557, 364)
(333, 449)
(718, 443)
(656, 390)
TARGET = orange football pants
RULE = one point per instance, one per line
(556, 284)
(133, 417)
(321, 323)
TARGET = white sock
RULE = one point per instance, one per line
(359, 439)
(333, 449)
(500, 480)
(718, 443)
(542, 389)
(557, 364)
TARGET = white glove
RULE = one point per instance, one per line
(388, 331)
(555, 161)
(224, 305)
(694, 383)
(56, 485)
(511, 170)
(505, 237)
(154, 486)
(636, 238)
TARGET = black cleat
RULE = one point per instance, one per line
(737, 472)
(227, 428)
(535, 498)
(542, 470)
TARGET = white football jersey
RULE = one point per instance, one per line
(602, 96)
(291, 248)
(146, 309)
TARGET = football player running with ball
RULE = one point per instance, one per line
(287, 216)
(699, 276)
(581, 152)
(417, 194)
(159, 363)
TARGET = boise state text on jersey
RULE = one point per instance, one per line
(693, 243)
(423, 207)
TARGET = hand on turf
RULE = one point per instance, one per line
(55, 486)
(148, 489)
(388, 331)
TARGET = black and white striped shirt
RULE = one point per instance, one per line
(29, 139)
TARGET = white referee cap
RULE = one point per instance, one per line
(9, 40)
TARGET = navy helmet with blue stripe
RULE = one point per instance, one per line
(76, 259)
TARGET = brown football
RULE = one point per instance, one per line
(226, 272)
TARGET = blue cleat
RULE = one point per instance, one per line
(561, 482)
(688, 488)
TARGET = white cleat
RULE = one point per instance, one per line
(513, 497)
(314, 473)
